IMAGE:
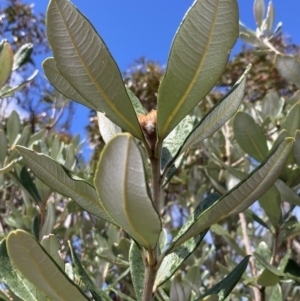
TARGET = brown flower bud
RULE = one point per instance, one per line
(148, 125)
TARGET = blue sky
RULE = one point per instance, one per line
(135, 28)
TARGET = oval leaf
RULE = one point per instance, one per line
(289, 68)
(34, 263)
(272, 105)
(177, 290)
(52, 246)
(137, 270)
(22, 56)
(224, 287)
(6, 63)
(270, 19)
(61, 84)
(97, 294)
(219, 114)
(85, 62)
(59, 179)
(3, 148)
(13, 127)
(259, 11)
(122, 187)
(250, 136)
(241, 196)
(271, 204)
(296, 147)
(8, 91)
(172, 144)
(49, 220)
(287, 194)
(107, 128)
(291, 122)
(13, 279)
(198, 56)
(173, 261)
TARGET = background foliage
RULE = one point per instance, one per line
(269, 230)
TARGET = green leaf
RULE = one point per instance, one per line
(291, 122)
(70, 157)
(199, 54)
(296, 147)
(202, 206)
(224, 287)
(209, 298)
(174, 141)
(62, 85)
(259, 11)
(22, 56)
(270, 19)
(170, 157)
(138, 107)
(239, 197)
(15, 281)
(249, 213)
(27, 182)
(97, 294)
(3, 148)
(34, 264)
(274, 293)
(13, 127)
(85, 62)
(20, 140)
(177, 290)
(137, 270)
(193, 278)
(43, 189)
(122, 188)
(219, 230)
(49, 220)
(249, 36)
(62, 181)
(173, 261)
(292, 269)
(52, 246)
(107, 128)
(267, 278)
(219, 114)
(56, 147)
(8, 91)
(272, 105)
(250, 136)
(284, 260)
(267, 265)
(287, 194)
(271, 204)
(289, 68)
(6, 63)
(264, 251)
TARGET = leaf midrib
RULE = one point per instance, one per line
(125, 196)
(261, 183)
(195, 77)
(103, 94)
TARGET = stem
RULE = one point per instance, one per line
(270, 46)
(150, 273)
(257, 294)
(275, 245)
(156, 183)
(151, 255)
